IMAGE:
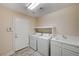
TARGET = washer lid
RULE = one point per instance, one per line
(45, 37)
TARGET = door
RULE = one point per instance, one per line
(20, 33)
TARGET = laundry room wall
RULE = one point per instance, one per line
(6, 38)
(65, 20)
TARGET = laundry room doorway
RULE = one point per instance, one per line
(20, 33)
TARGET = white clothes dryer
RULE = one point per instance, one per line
(43, 44)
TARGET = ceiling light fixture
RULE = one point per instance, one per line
(32, 5)
(28, 4)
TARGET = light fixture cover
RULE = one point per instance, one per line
(32, 5)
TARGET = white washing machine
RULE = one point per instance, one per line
(43, 44)
(33, 40)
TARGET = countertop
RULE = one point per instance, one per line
(71, 41)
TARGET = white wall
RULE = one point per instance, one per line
(6, 38)
(65, 20)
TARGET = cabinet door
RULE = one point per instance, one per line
(66, 52)
(55, 50)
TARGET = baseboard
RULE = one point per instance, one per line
(8, 53)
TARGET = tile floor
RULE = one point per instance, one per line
(27, 52)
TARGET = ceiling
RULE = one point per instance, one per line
(40, 10)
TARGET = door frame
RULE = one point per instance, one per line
(14, 33)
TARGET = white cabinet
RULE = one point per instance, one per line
(66, 52)
(69, 50)
(55, 48)
(63, 49)
(71, 47)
